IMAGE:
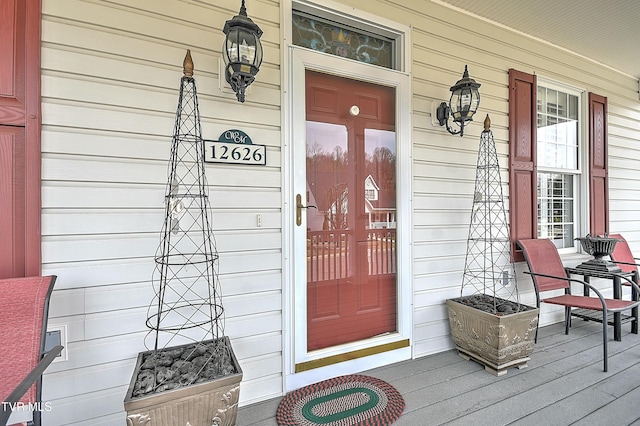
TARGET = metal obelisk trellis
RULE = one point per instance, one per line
(187, 304)
(489, 267)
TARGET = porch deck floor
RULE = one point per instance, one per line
(564, 384)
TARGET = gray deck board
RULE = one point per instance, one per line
(564, 384)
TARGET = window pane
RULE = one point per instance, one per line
(557, 130)
(329, 37)
(573, 107)
(555, 208)
(542, 100)
(552, 102)
(562, 104)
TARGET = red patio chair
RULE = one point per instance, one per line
(548, 273)
(24, 308)
(622, 255)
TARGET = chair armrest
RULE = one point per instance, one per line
(575, 280)
(595, 290)
(27, 382)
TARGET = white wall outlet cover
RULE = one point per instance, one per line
(62, 330)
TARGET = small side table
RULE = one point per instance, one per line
(618, 318)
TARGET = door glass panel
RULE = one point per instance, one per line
(380, 201)
(351, 234)
(327, 163)
(330, 240)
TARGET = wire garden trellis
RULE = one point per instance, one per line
(187, 305)
(489, 269)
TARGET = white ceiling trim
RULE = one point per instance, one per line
(582, 22)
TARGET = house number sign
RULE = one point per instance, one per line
(234, 147)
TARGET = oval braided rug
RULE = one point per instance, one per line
(343, 401)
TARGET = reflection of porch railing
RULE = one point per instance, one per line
(329, 256)
(382, 251)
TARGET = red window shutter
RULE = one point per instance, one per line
(20, 129)
(598, 163)
(523, 205)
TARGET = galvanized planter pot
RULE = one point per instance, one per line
(499, 342)
(203, 404)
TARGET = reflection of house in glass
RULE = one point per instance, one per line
(331, 212)
(331, 207)
(330, 239)
(380, 205)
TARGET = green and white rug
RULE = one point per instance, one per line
(343, 401)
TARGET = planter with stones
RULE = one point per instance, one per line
(185, 385)
(498, 341)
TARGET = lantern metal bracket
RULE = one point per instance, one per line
(442, 115)
(223, 85)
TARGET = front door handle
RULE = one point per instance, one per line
(299, 207)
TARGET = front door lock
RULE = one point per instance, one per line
(299, 207)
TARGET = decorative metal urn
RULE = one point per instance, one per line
(599, 247)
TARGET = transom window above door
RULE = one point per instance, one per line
(326, 36)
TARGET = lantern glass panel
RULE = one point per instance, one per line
(243, 46)
(464, 103)
(257, 61)
(246, 46)
(230, 47)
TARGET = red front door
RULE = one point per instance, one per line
(351, 238)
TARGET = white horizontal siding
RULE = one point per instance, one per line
(100, 407)
(124, 221)
(110, 79)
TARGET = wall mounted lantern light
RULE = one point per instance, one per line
(464, 102)
(241, 52)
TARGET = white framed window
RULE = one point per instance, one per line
(559, 162)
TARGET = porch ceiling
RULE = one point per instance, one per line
(605, 31)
